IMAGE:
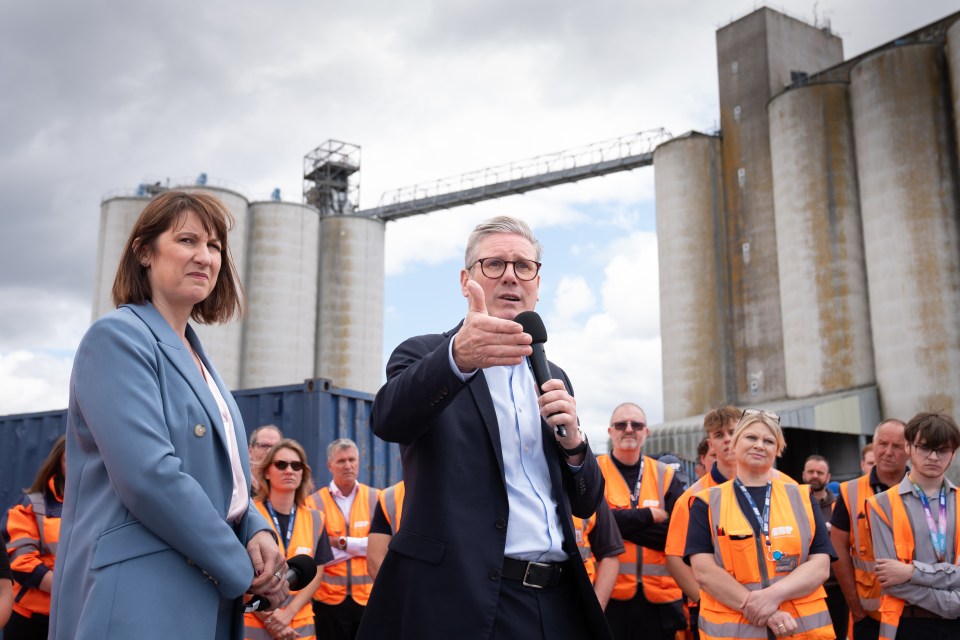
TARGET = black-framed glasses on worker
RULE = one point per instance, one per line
(494, 267)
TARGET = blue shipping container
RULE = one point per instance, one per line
(314, 413)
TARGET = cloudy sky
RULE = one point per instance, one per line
(102, 96)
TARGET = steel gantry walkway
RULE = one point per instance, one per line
(597, 159)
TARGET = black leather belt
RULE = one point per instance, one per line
(536, 575)
(913, 611)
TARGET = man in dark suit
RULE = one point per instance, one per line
(487, 549)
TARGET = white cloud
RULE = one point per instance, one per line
(33, 381)
(613, 355)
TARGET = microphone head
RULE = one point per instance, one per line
(533, 325)
(304, 568)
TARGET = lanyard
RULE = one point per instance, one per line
(764, 519)
(635, 496)
(938, 534)
(276, 524)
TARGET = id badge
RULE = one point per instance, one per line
(786, 564)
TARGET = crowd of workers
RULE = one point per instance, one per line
(743, 550)
(507, 525)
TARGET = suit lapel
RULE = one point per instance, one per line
(484, 401)
(175, 351)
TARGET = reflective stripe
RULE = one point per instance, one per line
(815, 620)
(888, 631)
(628, 569)
(390, 507)
(870, 604)
(803, 524)
(714, 506)
(731, 630)
(853, 491)
(655, 570)
(256, 633)
(863, 565)
(340, 581)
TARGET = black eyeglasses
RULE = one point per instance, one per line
(760, 413)
(623, 424)
(282, 465)
(263, 446)
(925, 451)
(494, 267)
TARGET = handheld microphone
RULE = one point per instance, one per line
(301, 569)
(533, 325)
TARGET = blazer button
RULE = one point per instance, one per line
(495, 574)
(199, 431)
(500, 523)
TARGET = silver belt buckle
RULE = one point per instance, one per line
(527, 572)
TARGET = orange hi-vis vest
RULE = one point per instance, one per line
(307, 527)
(792, 527)
(391, 501)
(34, 533)
(855, 494)
(349, 576)
(582, 529)
(889, 506)
(651, 565)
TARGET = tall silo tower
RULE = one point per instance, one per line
(756, 56)
(906, 160)
(825, 307)
(281, 286)
(349, 338)
(689, 203)
(118, 214)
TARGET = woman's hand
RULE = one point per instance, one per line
(269, 569)
(278, 620)
(782, 624)
(758, 606)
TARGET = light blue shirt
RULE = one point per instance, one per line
(533, 529)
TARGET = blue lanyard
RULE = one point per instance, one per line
(938, 534)
(764, 519)
(276, 524)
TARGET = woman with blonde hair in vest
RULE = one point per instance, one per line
(758, 548)
(283, 484)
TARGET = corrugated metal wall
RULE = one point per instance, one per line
(314, 413)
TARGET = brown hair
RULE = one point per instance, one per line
(703, 447)
(51, 469)
(166, 211)
(933, 430)
(306, 483)
(720, 417)
(867, 448)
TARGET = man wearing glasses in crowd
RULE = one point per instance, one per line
(261, 440)
(915, 537)
(641, 493)
(486, 547)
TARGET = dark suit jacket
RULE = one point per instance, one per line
(441, 576)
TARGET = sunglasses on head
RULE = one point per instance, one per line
(282, 465)
(623, 424)
(760, 413)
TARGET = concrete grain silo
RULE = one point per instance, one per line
(689, 204)
(281, 287)
(222, 342)
(825, 307)
(117, 217)
(756, 57)
(908, 191)
(350, 327)
(953, 63)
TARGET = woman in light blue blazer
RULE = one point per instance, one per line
(157, 537)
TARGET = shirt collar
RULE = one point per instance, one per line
(335, 490)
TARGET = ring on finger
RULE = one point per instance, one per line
(278, 575)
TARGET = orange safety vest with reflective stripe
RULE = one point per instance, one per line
(391, 501)
(307, 528)
(889, 506)
(33, 535)
(855, 495)
(582, 529)
(349, 576)
(658, 586)
(792, 527)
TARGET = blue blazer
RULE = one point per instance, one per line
(440, 578)
(145, 550)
